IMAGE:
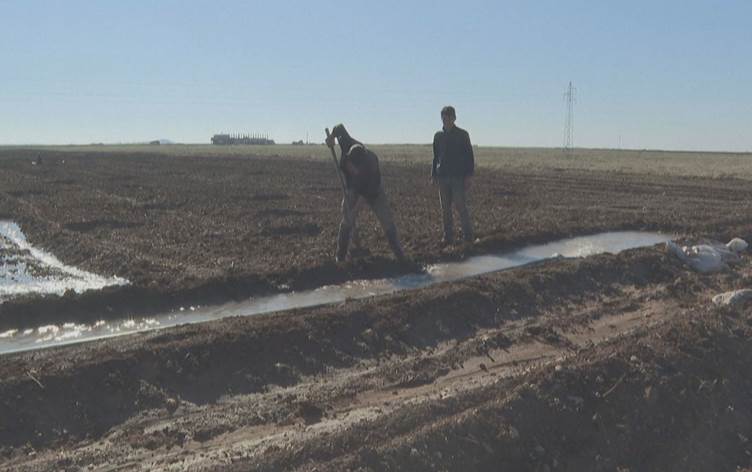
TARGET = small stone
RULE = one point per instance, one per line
(576, 400)
(310, 412)
(171, 404)
(735, 297)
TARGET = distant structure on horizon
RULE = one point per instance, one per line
(570, 98)
(253, 138)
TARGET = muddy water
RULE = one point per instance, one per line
(46, 336)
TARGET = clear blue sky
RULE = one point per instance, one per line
(660, 74)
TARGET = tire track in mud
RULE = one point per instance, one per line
(419, 346)
(454, 397)
(623, 405)
(366, 398)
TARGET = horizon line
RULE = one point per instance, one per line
(583, 148)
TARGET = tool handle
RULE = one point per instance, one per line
(345, 194)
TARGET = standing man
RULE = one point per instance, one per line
(360, 167)
(453, 168)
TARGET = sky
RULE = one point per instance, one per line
(648, 74)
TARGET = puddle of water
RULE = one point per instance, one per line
(47, 336)
(25, 269)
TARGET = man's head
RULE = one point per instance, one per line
(339, 131)
(448, 116)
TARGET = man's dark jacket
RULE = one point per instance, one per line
(452, 154)
(367, 179)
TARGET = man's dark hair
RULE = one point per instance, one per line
(449, 111)
(339, 131)
(345, 140)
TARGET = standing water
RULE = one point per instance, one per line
(25, 269)
(69, 333)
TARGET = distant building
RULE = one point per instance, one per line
(221, 139)
(228, 139)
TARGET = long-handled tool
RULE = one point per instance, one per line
(345, 193)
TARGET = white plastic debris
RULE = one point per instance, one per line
(737, 245)
(733, 298)
(709, 257)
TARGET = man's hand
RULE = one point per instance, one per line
(330, 140)
(468, 181)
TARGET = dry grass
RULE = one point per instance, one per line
(680, 163)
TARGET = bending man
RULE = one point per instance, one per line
(360, 167)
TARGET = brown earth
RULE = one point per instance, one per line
(613, 362)
(200, 230)
(607, 363)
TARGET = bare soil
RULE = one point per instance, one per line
(613, 362)
(200, 230)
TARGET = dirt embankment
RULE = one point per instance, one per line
(197, 230)
(607, 363)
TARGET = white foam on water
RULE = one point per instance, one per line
(19, 260)
(68, 333)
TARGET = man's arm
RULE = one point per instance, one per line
(435, 154)
(469, 156)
